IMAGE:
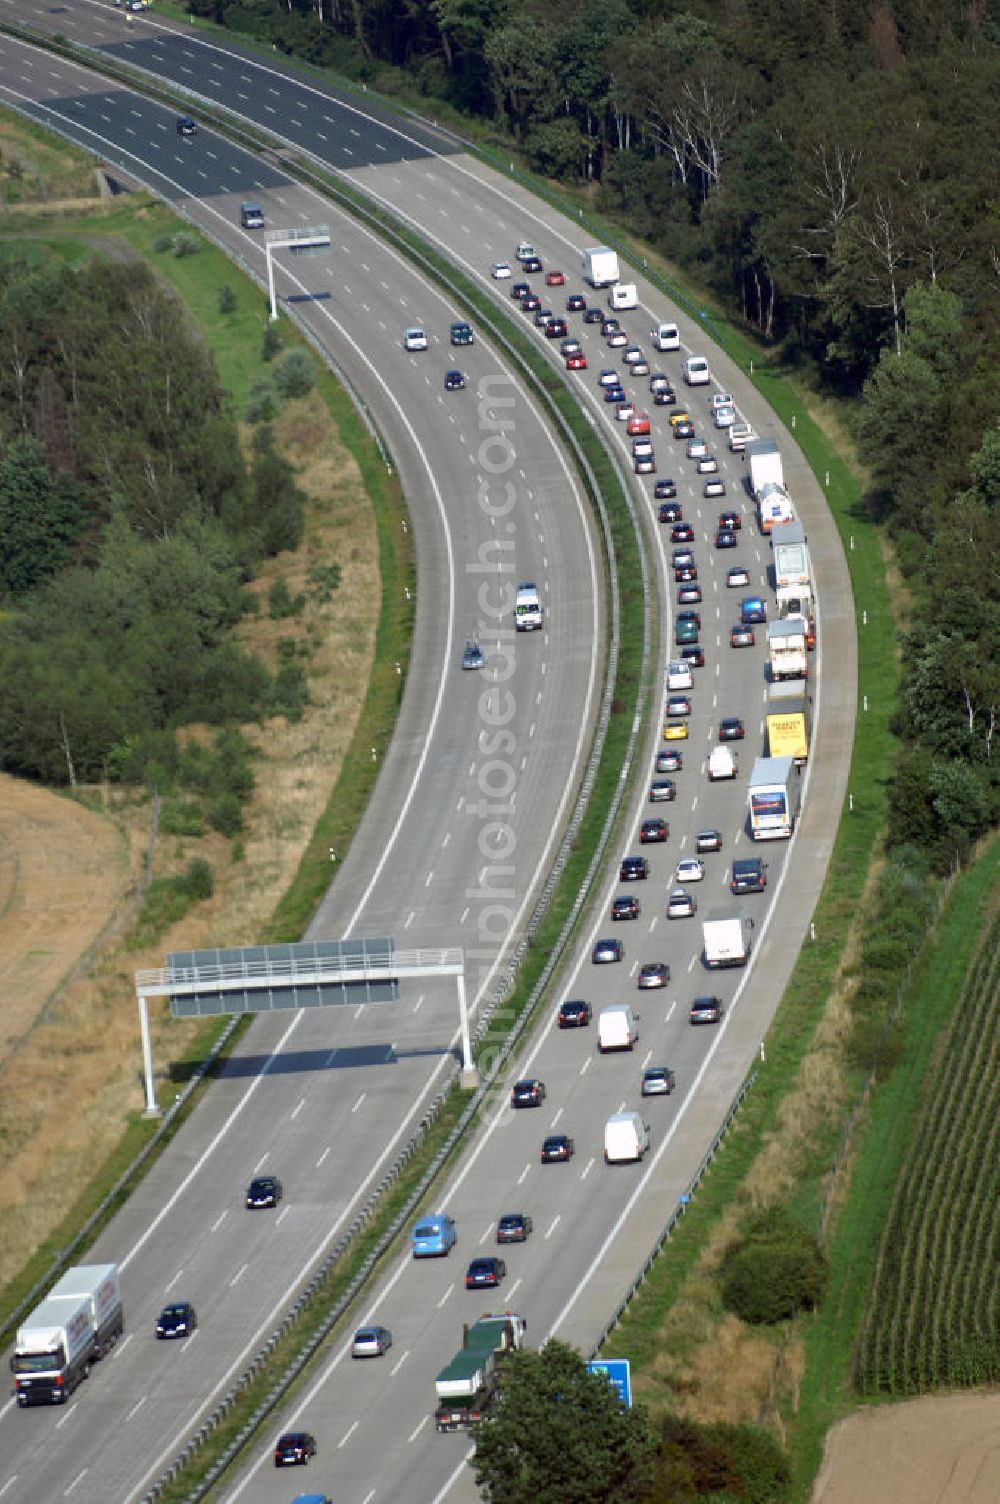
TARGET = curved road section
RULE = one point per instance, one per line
(592, 1224)
(467, 815)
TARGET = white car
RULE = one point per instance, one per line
(714, 486)
(415, 339)
(500, 270)
(616, 338)
(721, 399)
(737, 576)
(725, 417)
(690, 870)
(641, 448)
(696, 448)
(707, 464)
(624, 411)
(640, 367)
(679, 674)
(644, 464)
(631, 355)
(609, 378)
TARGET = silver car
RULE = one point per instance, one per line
(371, 1342)
(681, 904)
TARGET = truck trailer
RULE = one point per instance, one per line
(774, 797)
(789, 721)
(600, 266)
(774, 508)
(467, 1385)
(764, 465)
(726, 935)
(80, 1319)
(787, 651)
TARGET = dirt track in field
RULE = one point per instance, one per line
(926, 1451)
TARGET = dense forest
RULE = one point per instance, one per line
(831, 174)
(130, 525)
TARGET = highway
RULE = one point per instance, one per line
(593, 1225)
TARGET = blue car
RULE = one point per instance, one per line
(752, 609)
(433, 1237)
(614, 394)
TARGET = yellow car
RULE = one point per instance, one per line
(679, 417)
(675, 731)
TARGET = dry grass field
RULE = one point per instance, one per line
(68, 873)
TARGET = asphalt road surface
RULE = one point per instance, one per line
(593, 1224)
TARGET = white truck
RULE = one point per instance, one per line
(600, 266)
(623, 295)
(726, 936)
(774, 509)
(80, 1319)
(764, 460)
(787, 653)
(626, 1138)
(721, 764)
(792, 570)
(774, 797)
(528, 615)
(467, 1386)
(617, 1028)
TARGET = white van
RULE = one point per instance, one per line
(617, 1028)
(623, 295)
(696, 372)
(679, 674)
(626, 1138)
(665, 337)
(721, 764)
(527, 608)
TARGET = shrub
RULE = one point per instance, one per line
(282, 603)
(182, 817)
(162, 244)
(291, 692)
(270, 344)
(227, 300)
(717, 1462)
(225, 814)
(295, 374)
(263, 404)
(197, 882)
(773, 1271)
(185, 245)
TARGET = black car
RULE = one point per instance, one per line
(593, 316)
(685, 574)
(633, 869)
(609, 325)
(528, 1093)
(178, 1319)
(664, 397)
(557, 1148)
(485, 1274)
(706, 1010)
(684, 430)
(576, 302)
(731, 521)
(666, 490)
(682, 532)
(694, 654)
(514, 1227)
(574, 1014)
(294, 1449)
(531, 265)
(454, 381)
(606, 951)
(730, 729)
(653, 831)
(461, 333)
(669, 760)
(741, 637)
(519, 290)
(263, 1190)
(668, 511)
(186, 126)
(531, 302)
(555, 329)
(625, 907)
(749, 876)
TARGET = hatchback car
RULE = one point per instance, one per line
(625, 906)
(753, 609)
(616, 339)
(609, 377)
(741, 636)
(682, 532)
(593, 316)
(519, 291)
(178, 1319)
(415, 339)
(640, 367)
(662, 791)
(606, 951)
(543, 316)
(514, 1227)
(485, 1274)
(609, 324)
(460, 333)
(666, 490)
(686, 630)
(263, 1190)
(555, 328)
(659, 382)
(670, 760)
(371, 1342)
(690, 869)
(434, 1237)
(664, 396)
(633, 869)
(679, 417)
(714, 486)
(730, 729)
(682, 556)
(694, 654)
(294, 1449)
(454, 381)
(669, 512)
(527, 1093)
(679, 705)
(500, 271)
(653, 974)
(738, 575)
(644, 464)
(614, 394)
(684, 429)
(696, 449)
(531, 265)
(721, 399)
(574, 1014)
(473, 656)
(625, 413)
(576, 302)
(689, 594)
(724, 417)
(692, 616)
(675, 731)
(631, 354)
(686, 574)
(576, 362)
(642, 446)
(531, 302)
(708, 840)
(657, 1081)
(557, 1148)
(570, 347)
(706, 1010)
(653, 831)
(554, 279)
(707, 465)
(186, 126)
(731, 520)
(681, 904)
(725, 539)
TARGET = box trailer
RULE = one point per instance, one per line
(726, 938)
(600, 266)
(787, 653)
(763, 465)
(774, 797)
(789, 721)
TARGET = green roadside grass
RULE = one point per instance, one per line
(826, 1394)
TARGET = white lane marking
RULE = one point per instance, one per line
(585, 1067)
(395, 1369)
(298, 1108)
(137, 1407)
(417, 1430)
(587, 1169)
(554, 1224)
(323, 1156)
(121, 1346)
(358, 1103)
(347, 1435)
(648, 1058)
(78, 1479)
(173, 1282)
(219, 1220)
(485, 1235)
(238, 1275)
(446, 1295)
(523, 1175)
(557, 1117)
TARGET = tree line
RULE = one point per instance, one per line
(130, 526)
(831, 177)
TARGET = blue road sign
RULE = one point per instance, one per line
(618, 1372)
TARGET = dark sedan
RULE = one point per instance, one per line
(294, 1449)
(527, 1093)
(263, 1190)
(176, 1320)
(574, 1014)
(514, 1227)
(557, 1148)
(625, 907)
(653, 831)
(633, 869)
(607, 951)
(682, 532)
(730, 729)
(485, 1274)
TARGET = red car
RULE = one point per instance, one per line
(576, 362)
(554, 279)
(638, 424)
